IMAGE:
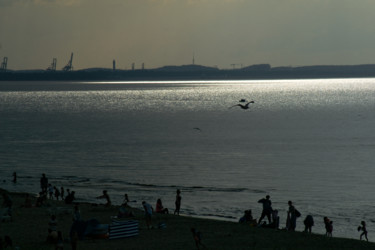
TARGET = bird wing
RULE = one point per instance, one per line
(234, 106)
(247, 104)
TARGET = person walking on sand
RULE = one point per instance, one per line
(363, 229)
(148, 213)
(106, 197)
(177, 202)
(267, 209)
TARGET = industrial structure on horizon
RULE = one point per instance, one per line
(4, 64)
(52, 67)
(69, 66)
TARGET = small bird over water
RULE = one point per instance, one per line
(246, 106)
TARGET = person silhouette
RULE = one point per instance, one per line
(44, 183)
(159, 208)
(177, 202)
(267, 209)
(106, 197)
(309, 223)
(363, 229)
(292, 217)
(329, 226)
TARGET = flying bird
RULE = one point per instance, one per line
(197, 129)
(246, 106)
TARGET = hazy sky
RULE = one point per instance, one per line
(168, 32)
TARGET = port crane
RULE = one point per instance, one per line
(52, 67)
(69, 66)
(4, 64)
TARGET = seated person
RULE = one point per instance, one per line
(248, 218)
(160, 209)
(70, 198)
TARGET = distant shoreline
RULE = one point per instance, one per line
(194, 72)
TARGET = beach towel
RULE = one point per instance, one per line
(123, 229)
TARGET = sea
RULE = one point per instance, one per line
(309, 141)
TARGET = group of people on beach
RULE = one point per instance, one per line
(52, 192)
(291, 222)
(160, 209)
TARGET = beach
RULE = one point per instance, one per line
(29, 228)
(308, 141)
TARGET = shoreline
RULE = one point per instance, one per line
(29, 227)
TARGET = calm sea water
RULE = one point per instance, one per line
(309, 141)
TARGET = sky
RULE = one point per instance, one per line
(218, 33)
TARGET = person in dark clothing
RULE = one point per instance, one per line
(329, 226)
(177, 202)
(106, 197)
(70, 198)
(267, 209)
(309, 223)
(44, 183)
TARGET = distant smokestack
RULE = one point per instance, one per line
(114, 65)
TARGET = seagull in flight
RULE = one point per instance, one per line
(246, 106)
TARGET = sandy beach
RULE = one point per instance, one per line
(29, 228)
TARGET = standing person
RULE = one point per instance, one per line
(292, 217)
(14, 177)
(148, 213)
(363, 229)
(126, 200)
(329, 226)
(177, 202)
(50, 191)
(267, 209)
(57, 193)
(106, 197)
(309, 223)
(44, 183)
